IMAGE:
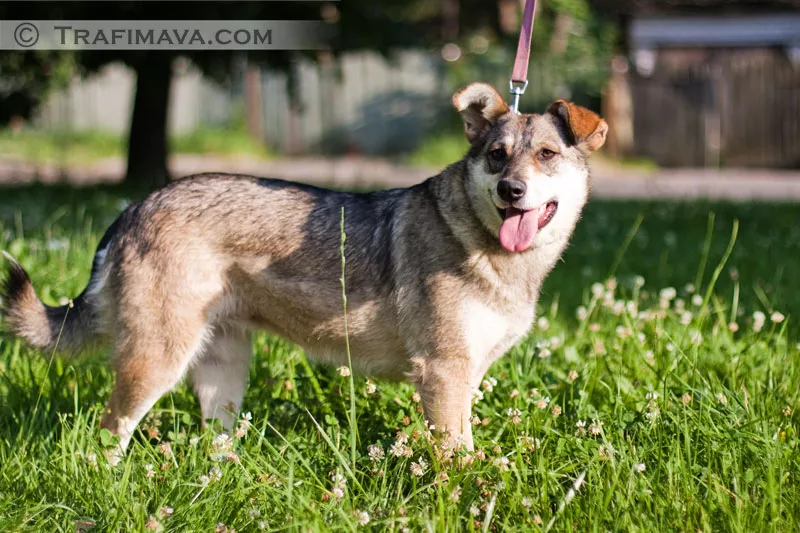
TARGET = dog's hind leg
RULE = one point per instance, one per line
(148, 365)
(220, 375)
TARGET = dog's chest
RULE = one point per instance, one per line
(489, 332)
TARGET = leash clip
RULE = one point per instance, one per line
(516, 89)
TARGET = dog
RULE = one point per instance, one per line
(442, 278)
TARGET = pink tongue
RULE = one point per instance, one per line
(519, 229)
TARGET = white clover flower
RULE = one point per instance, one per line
(758, 321)
(487, 385)
(514, 415)
(721, 399)
(638, 281)
(608, 299)
(544, 353)
(418, 468)
(339, 485)
(640, 467)
(697, 300)
(668, 293)
(596, 427)
(363, 518)
(400, 450)
(502, 463)
(598, 290)
(543, 324)
(376, 452)
(581, 313)
(343, 371)
(526, 502)
(542, 402)
(371, 387)
(777, 317)
(474, 510)
(686, 318)
(477, 395)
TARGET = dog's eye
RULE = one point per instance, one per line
(498, 155)
(546, 154)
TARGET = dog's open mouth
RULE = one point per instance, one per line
(519, 227)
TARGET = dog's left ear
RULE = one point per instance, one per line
(586, 129)
(480, 107)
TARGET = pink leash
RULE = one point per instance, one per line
(519, 75)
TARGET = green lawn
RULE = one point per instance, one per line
(79, 148)
(672, 421)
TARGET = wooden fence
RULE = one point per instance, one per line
(725, 107)
(361, 104)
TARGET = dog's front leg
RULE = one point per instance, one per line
(445, 385)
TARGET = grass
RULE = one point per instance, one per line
(672, 421)
(79, 148)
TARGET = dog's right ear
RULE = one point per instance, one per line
(480, 107)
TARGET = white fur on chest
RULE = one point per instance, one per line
(489, 333)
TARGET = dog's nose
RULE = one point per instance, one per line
(510, 190)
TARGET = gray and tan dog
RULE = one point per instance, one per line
(442, 277)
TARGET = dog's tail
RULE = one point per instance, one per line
(67, 328)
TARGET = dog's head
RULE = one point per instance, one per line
(527, 174)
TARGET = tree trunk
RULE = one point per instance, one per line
(147, 142)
